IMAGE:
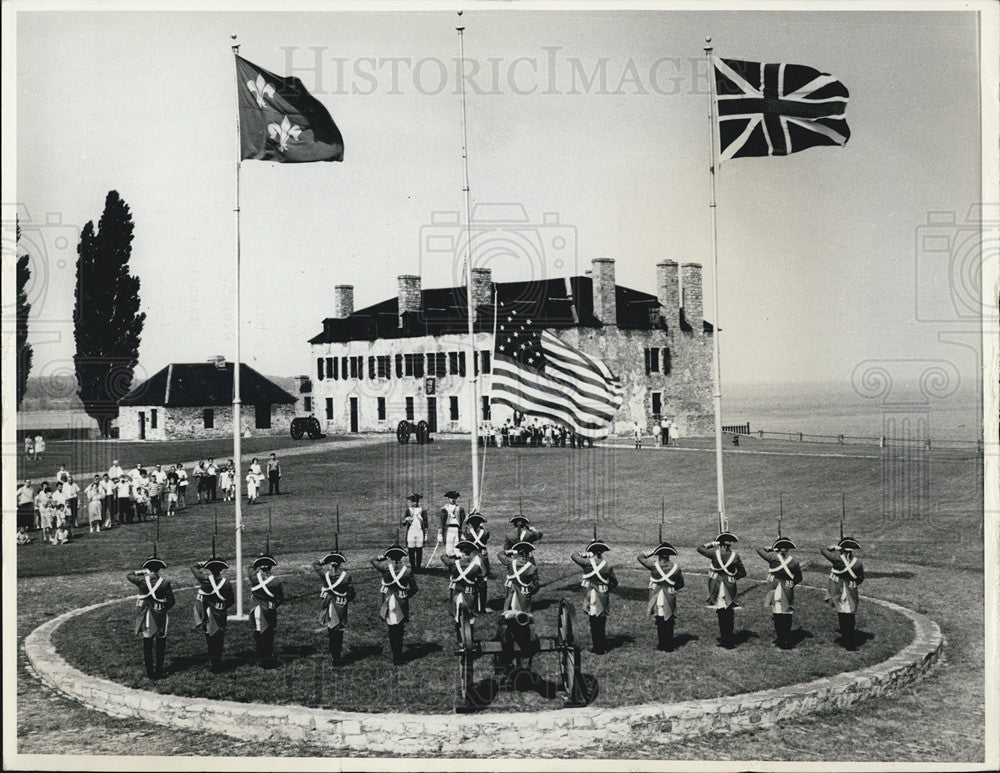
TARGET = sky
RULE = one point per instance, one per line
(593, 123)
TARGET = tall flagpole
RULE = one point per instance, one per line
(474, 407)
(716, 370)
(238, 475)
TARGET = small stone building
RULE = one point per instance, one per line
(409, 357)
(194, 400)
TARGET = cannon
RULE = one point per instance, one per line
(306, 425)
(514, 648)
(421, 432)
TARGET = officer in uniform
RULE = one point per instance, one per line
(415, 520)
(156, 599)
(476, 532)
(665, 579)
(398, 587)
(522, 577)
(783, 575)
(846, 574)
(466, 577)
(336, 593)
(522, 533)
(726, 569)
(267, 594)
(598, 581)
(452, 520)
(211, 606)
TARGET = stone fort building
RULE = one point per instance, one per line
(408, 357)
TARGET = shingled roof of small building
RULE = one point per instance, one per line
(197, 384)
(551, 303)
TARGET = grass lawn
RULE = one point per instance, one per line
(916, 557)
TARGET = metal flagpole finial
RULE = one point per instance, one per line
(235, 46)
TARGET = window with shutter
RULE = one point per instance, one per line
(319, 368)
(399, 366)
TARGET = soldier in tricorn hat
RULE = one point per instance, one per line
(211, 606)
(267, 594)
(398, 587)
(726, 569)
(156, 599)
(598, 581)
(475, 531)
(415, 520)
(846, 574)
(336, 594)
(665, 579)
(463, 589)
(784, 574)
(452, 520)
(523, 532)
(522, 581)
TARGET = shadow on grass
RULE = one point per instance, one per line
(799, 635)
(362, 652)
(419, 650)
(618, 640)
(684, 638)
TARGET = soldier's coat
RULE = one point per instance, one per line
(156, 599)
(267, 595)
(463, 588)
(522, 583)
(335, 595)
(598, 580)
(784, 573)
(211, 605)
(846, 574)
(726, 568)
(398, 587)
(665, 579)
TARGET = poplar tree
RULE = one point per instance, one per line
(24, 350)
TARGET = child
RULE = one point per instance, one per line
(226, 484)
(22, 536)
(61, 535)
(252, 485)
(94, 514)
(141, 491)
(171, 496)
(43, 504)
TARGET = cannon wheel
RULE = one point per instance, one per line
(423, 432)
(297, 429)
(569, 657)
(313, 429)
(564, 629)
(466, 661)
(403, 432)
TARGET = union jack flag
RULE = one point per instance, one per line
(777, 109)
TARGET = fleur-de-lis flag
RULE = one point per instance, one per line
(281, 121)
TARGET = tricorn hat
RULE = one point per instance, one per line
(849, 543)
(665, 549)
(476, 518)
(395, 552)
(218, 563)
(522, 546)
(336, 557)
(452, 494)
(414, 498)
(783, 543)
(466, 546)
(153, 563)
(519, 519)
(597, 546)
(726, 536)
(264, 561)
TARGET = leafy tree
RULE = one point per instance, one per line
(108, 323)
(24, 350)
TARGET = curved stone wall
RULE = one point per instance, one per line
(568, 730)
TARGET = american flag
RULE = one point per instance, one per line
(777, 109)
(539, 375)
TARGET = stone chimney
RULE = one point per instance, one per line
(482, 287)
(668, 290)
(343, 301)
(691, 298)
(603, 276)
(410, 298)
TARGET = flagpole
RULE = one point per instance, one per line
(236, 375)
(716, 369)
(474, 412)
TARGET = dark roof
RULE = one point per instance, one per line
(195, 384)
(551, 303)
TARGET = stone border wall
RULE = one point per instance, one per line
(568, 730)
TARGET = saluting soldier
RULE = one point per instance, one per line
(523, 532)
(452, 520)
(415, 520)
(522, 581)
(211, 606)
(475, 531)
(846, 574)
(783, 575)
(665, 579)
(466, 576)
(726, 569)
(267, 594)
(398, 587)
(598, 581)
(336, 594)
(156, 599)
